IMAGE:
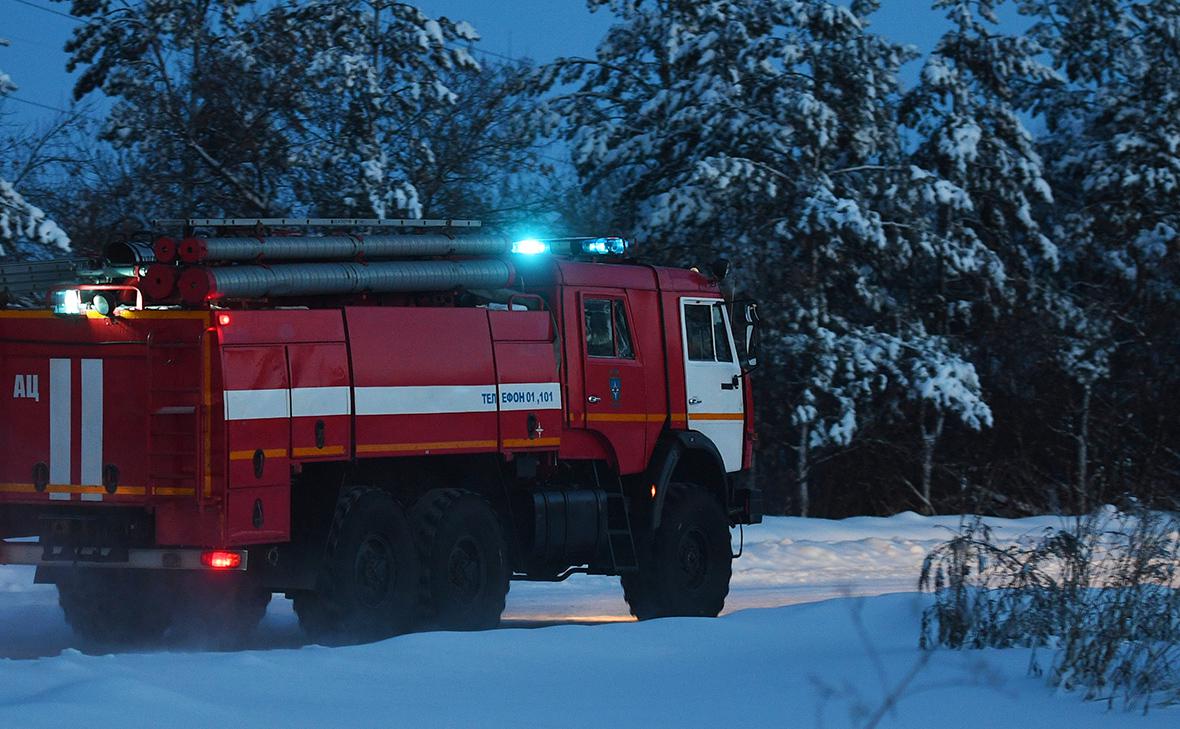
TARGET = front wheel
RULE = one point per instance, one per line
(685, 565)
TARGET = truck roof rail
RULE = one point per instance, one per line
(312, 223)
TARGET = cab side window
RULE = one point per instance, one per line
(607, 331)
(706, 334)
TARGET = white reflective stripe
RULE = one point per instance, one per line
(320, 401)
(405, 400)
(425, 399)
(59, 496)
(531, 396)
(257, 404)
(60, 430)
(92, 497)
(92, 422)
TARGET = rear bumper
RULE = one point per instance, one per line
(31, 553)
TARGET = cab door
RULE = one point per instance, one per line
(713, 377)
(613, 376)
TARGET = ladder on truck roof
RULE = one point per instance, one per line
(311, 223)
(26, 277)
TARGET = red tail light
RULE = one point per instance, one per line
(219, 560)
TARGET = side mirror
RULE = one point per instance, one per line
(746, 312)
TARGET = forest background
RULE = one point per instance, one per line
(966, 258)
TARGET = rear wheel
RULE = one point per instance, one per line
(369, 586)
(117, 607)
(685, 565)
(221, 609)
(465, 569)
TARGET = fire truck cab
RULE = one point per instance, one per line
(388, 437)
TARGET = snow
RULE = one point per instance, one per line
(569, 657)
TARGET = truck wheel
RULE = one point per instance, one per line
(464, 559)
(369, 586)
(221, 610)
(116, 607)
(685, 566)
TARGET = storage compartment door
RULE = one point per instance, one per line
(257, 415)
(321, 402)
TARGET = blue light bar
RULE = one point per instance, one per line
(608, 246)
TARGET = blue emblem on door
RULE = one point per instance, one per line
(616, 387)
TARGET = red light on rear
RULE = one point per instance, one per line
(223, 319)
(221, 560)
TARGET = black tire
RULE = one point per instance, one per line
(464, 558)
(221, 610)
(685, 566)
(369, 586)
(113, 607)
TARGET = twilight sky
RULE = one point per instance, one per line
(541, 29)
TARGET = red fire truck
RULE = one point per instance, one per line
(388, 427)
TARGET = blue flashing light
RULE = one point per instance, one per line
(530, 247)
(612, 245)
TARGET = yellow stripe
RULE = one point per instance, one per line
(63, 489)
(171, 491)
(37, 314)
(268, 452)
(436, 446)
(626, 417)
(716, 416)
(533, 442)
(28, 488)
(336, 450)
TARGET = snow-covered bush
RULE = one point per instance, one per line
(1102, 594)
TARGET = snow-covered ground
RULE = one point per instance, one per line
(570, 657)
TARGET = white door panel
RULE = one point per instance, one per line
(713, 377)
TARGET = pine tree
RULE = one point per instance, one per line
(200, 119)
(1115, 133)
(294, 107)
(996, 259)
(768, 130)
(373, 75)
(1114, 149)
(21, 222)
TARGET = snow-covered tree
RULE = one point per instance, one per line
(1113, 151)
(1115, 134)
(987, 184)
(20, 220)
(483, 162)
(234, 106)
(201, 120)
(966, 111)
(768, 130)
(373, 75)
